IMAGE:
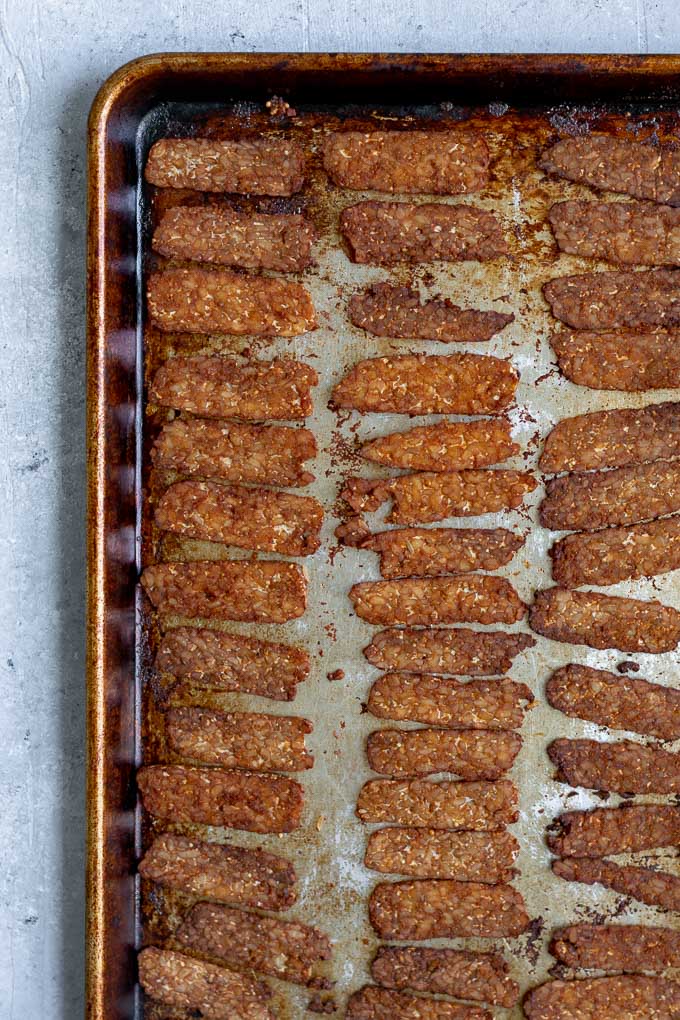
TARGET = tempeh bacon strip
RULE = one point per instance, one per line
(457, 651)
(259, 166)
(470, 754)
(373, 1003)
(616, 947)
(602, 301)
(656, 888)
(632, 362)
(446, 804)
(446, 446)
(470, 598)
(481, 977)
(626, 829)
(616, 554)
(627, 233)
(476, 704)
(605, 998)
(434, 853)
(622, 767)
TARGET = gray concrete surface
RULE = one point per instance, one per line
(53, 56)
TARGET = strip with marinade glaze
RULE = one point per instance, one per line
(446, 804)
(655, 888)
(476, 704)
(470, 754)
(470, 598)
(623, 767)
(627, 233)
(374, 1003)
(628, 361)
(629, 299)
(434, 853)
(626, 829)
(616, 947)
(616, 554)
(445, 446)
(481, 977)
(259, 166)
(458, 651)
(627, 997)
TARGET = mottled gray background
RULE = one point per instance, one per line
(53, 56)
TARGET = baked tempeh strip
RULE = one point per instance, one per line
(408, 162)
(215, 992)
(250, 591)
(605, 621)
(616, 554)
(627, 997)
(476, 704)
(613, 299)
(615, 164)
(446, 446)
(627, 233)
(430, 496)
(656, 888)
(248, 518)
(620, 702)
(228, 388)
(627, 361)
(251, 877)
(481, 977)
(469, 598)
(393, 311)
(260, 166)
(621, 767)
(626, 829)
(235, 452)
(287, 950)
(623, 496)
(237, 800)
(233, 662)
(434, 853)
(470, 754)
(240, 740)
(614, 947)
(428, 384)
(444, 909)
(616, 438)
(199, 300)
(458, 651)
(423, 803)
(224, 237)
(374, 1003)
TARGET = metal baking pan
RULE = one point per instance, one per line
(520, 102)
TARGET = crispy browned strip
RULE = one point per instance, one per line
(272, 454)
(625, 829)
(217, 993)
(628, 997)
(284, 949)
(605, 621)
(392, 311)
(220, 301)
(470, 754)
(621, 702)
(229, 388)
(251, 877)
(470, 598)
(240, 740)
(248, 518)
(628, 233)
(409, 162)
(421, 498)
(619, 361)
(458, 651)
(613, 299)
(428, 384)
(616, 438)
(238, 800)
(656, 888)
(623, 496)
(614, 947)
(615, 164)
(373, 1003)
(446, 446)
(233, 662)
(444, 909)
(224, 237)
(439, 805)
(621, 767)
(257, 592)
(616, 554)
(482, 977)
(433, 853)
(476, 704)
(260, 166)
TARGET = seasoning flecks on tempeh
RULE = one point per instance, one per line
(236, 874)
(442, 908)
(626, 997)
(241, 590)
(623, 767)
(287, 950)
(445, 446)
(408, 162)
(481, 977)
(458, 651)
(259, 166)
(616, 947)
(475, 704)
(469, 598)
(613, 299)
(393, 311)
(236, 515)
(470, 754)
(434, 853)
(221, 236)
(627, 233)
(625, 829)
(240, 740)
(616, 554)
(655, 888)
(446, 804)
(628, 361)
(418, 384)
(223, 387)
(200, 300)
(374, 1003)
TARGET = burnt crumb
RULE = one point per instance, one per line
(628, 666)
(318, 1004)
(278, 107)
(323, 983)
(534, 936)
(560, 972)
(337, 674)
